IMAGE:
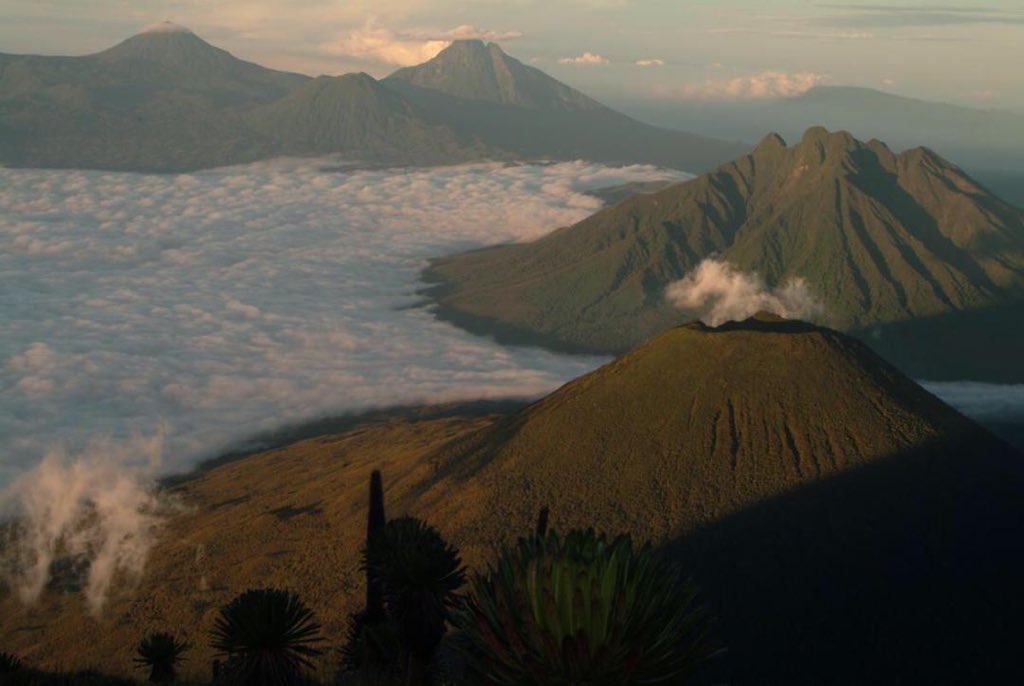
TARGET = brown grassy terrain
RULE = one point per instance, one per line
(811, 490)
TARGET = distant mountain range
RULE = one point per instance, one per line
(165, 100)
(844, 525)
(878, 237)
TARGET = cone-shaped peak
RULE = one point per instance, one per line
(475, 70)
(169, 44)
(465, 45)
(772, 140)
(164, 27)
(771, 146)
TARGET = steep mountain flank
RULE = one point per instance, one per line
(877, 237)
(471, 70)
(478, 90)
(354, 114)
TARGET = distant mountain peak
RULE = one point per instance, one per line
(772, 141)
(475, 70)
(467, 44)
(164, 27)
(819, 135)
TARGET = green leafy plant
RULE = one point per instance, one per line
(583, 610)
(267, 637)
(160, 653)
(9, 663)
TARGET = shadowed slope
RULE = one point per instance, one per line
(843, 522)
(471, 70)
(354, 114)
(698, 423)
(847, 526)
(478, 90)
(878, 237)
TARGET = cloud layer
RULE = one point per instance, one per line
(587, 59)
(721, 293)
(232, 302)
(377, 44)
(982, 401)
(765, 84)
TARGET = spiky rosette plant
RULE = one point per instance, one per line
(161, 653)
(370, 645)
(583, 610)
(420, 574)
(267, 638)
(9, 663)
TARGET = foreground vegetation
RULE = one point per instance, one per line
(581, 608)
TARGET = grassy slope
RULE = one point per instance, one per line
(686, 432)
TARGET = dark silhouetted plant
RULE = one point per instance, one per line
(371, 643)
(582, 610)
(375, 523)
(421, 575)
(161, 653)
(9, 663)
(542, 522)
(267, 637)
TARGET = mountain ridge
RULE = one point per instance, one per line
(165, 100)
(877, 236)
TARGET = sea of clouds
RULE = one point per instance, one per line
(151, 321)
(222, 304)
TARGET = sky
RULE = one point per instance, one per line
(968, 52)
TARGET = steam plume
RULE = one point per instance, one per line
(721, 293)
(99, 506)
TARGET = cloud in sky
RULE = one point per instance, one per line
(886, 16)
(405, 48)
(650, 62)
(231, 302)
(936, 60)
(587, 59)
(765, 84)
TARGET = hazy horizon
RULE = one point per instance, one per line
(611, 49)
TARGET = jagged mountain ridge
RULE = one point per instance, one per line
(878, 237)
